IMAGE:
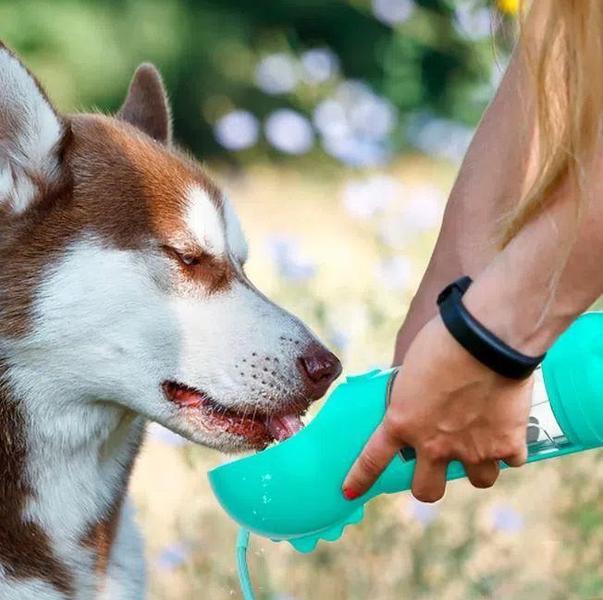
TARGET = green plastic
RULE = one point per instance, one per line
(292, 491)
(573, 375)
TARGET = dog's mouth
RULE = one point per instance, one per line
(257, 427)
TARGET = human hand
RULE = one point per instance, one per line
(446, 405)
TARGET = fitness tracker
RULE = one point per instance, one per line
(482, 344)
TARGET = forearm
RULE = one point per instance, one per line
(489, 183)
(548, 275)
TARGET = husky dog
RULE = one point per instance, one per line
(123, 298)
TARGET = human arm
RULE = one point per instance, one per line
(490, 181)
(444, 403)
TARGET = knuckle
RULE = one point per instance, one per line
(368, 463)
(514, 446)
(519, 451)
(394, 425)
(499, 452)
(472, 459)
(434, 450)
(519, 447)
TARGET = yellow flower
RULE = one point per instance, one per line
(511, 7)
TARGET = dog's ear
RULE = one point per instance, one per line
(147, 106)
(30, 136)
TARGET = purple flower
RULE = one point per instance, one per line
(160, 434)
(393, 12)
(289, 131)
(505, 518)
(364, 198)
(330, 118)
(356, 152)
(355, 124)
(424, 209)
(319, 65)
(473, 22)
(289, 259)
(172, 556)
(422, 512)
(396, 273)
(439, 137)
(277, 74)
(237, 130)
(339, 338)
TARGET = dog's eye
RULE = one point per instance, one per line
(190, 260)
(186, 258)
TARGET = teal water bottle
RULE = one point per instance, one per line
(292, 491)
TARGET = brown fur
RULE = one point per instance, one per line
(25, 550)
(128, 189)
(146, 106)
(118, 184)
(101, 534)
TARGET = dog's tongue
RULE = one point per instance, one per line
(284, 427)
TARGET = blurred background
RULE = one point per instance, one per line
(337, 127)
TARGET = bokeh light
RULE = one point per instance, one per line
(319, 65)
(277, 74)
(393, 12)
(237, 130)
(289, 131)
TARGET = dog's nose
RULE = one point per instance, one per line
(319, 368)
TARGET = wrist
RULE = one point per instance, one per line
(453, 359)
(421, 310)
(520, 314)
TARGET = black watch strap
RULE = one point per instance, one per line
(482, 344)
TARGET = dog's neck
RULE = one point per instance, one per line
(65, 469)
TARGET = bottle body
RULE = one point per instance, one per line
(544, 436)
(566, 415)
(292, 491)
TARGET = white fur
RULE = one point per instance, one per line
(78, 440)
(234, 233)
(109, 326)
(126, 573)
(125, 579)
(125, 340)
(29, 132)
(27, 589)
(204, 221)
(231, 333)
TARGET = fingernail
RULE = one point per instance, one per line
(350, 494)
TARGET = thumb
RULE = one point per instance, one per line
(376, 455)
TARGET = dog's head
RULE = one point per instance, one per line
(122, 277)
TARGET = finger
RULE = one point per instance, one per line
(484, 474)
(517, 458)
(375, 456)
(429, 480)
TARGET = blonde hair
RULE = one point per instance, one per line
(563, 45)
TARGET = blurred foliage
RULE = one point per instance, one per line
(424, 58)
